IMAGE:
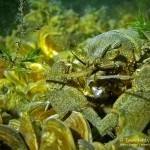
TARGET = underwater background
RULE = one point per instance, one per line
(114, 9)
(74, 74)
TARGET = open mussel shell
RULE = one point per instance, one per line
(11, 138)
(15, 77)
(85, 145)
(27, 131)
(79, 126)
(98, 146)
(52, 42)
(39, 111)
(39, 88)
(36, 70)
(14, 124)
(56, 136)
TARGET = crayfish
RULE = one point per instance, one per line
(117, 56)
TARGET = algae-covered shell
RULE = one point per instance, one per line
(1, 120)
(15, 77)
(98, 146)
(52, 42)
(85, 145)
(14, 124)
(56, 136)
(5, 87)
(37, 70)
(38, 87)
(40, 111)
(79, 125)
(27, 131)
(11, 138)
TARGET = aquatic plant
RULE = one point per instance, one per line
(142, 24)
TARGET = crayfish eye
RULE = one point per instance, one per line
(97, 91)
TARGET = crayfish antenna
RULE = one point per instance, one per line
(79, 59)
(99, 76)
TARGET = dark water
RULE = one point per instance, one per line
(9, 15)
(9, 9)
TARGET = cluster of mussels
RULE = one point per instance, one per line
(62, 91)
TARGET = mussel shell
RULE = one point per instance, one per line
(14, 124)
(79, 125)
(52, 42)
(85, 145)
(56, 136)
(36, 70)
(98, 146)
(39, 111)
(35, 88)
(1, 120)
(15, 77)
(11, 138)
(27, 131)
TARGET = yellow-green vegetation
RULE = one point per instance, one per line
(75, 81)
